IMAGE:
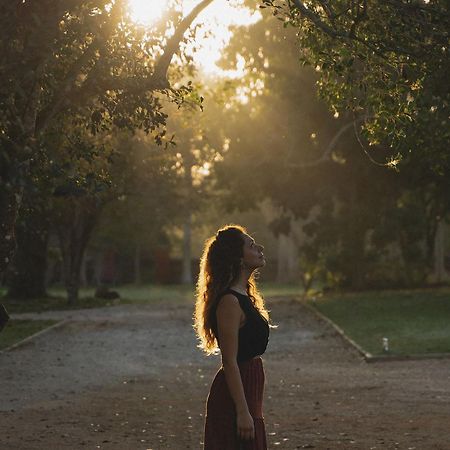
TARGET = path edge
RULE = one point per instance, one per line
(35, 335)
(368, 357)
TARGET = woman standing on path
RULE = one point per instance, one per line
(230, 315)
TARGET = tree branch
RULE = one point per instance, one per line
(358, 138)
(66, 87)
(327, 153)
(328, 10)
(173, 44)
(68, 83)
(315, 19)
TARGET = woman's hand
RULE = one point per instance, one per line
(245, 426)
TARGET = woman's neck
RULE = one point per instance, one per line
(239, 288)
(241, 284)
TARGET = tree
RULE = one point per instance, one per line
(109, 169)
(360, 216)
(77, 59)
(387, 63)
(272, 123)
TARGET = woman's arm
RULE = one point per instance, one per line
(229, 314)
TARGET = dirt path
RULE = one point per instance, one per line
(130, 378)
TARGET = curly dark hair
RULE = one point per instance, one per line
(220, 267)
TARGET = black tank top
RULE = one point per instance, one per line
(254, 334)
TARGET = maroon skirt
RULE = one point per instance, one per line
(220, 420)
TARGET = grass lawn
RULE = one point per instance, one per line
(416, 321)
(130, 294)
(185, 294)
(279, 289)
(16, 330)
(56, 301)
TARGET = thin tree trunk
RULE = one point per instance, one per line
(287, 264)
(186, 277)
(50, 271)
(281, 259)
(355, 241)
(440, 274)
(188, 160)
(83, 271)
(137, 265)
(71, 249)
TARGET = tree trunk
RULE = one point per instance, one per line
(357, 260)
(137, 265)
(186, 277)
(83, 271)
(52, 264)
(9, 207)
(287, 260)
(76, 221)
(355, 241)
(440, 274)
(27, 279)
(281, 260)
(72, 284)
(98, 267)
(188, 162)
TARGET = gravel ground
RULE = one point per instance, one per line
(130, 377)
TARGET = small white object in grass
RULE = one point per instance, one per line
(385, 344)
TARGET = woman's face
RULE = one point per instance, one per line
(253, 256)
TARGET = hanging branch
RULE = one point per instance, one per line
(326, 156)
(392, 163)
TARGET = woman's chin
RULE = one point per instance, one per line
(258, 264)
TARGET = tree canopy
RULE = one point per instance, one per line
(83, 64)
(386, 62)
(286, 146)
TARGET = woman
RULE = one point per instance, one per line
(230, 315)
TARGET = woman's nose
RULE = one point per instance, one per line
(261, 247)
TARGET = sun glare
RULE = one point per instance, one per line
(147, 12)
(212, 37)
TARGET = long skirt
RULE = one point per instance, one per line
(220, 421)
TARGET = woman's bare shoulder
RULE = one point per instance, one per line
(227, 300)
(228, 303)
(229, 310)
